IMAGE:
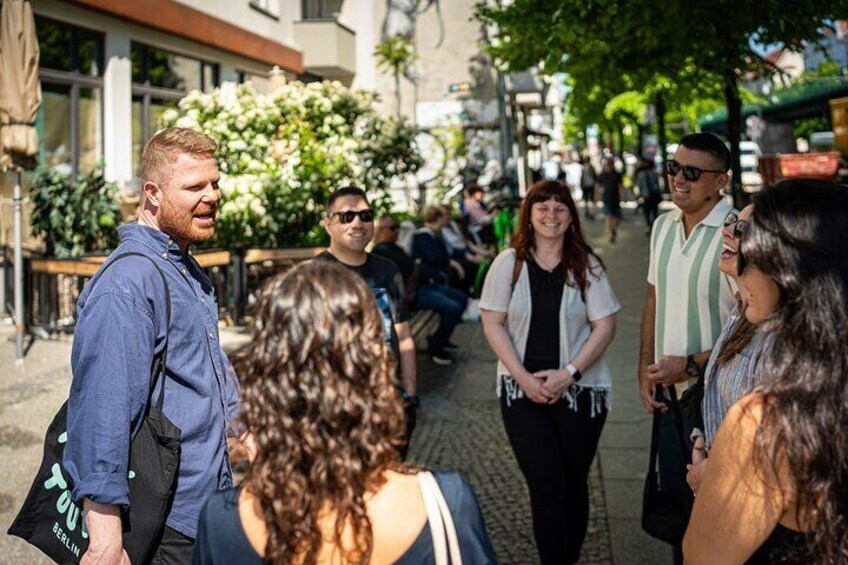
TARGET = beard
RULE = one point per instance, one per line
(181, 226)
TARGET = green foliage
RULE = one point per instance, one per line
(803, 128)
(74, 218)
(282, 154)
(394, 55)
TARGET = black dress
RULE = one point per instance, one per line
(221, 538)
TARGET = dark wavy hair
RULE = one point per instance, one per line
(797, 237)
(575, 251)
(319, 396)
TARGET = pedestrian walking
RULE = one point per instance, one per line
(774, 491)
(588, 180)
(122, 328)
(548, 313)
(350, 225)
(648, 183)
(735, 366)
(687, 301)
(326, 484)
(610, 181)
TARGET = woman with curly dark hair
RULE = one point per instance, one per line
(776, 489)
(548, 312)
(320, 402)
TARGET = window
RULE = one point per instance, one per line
(70, 120)
(160, 78)
(321, 9)
(268, 7)
(261, 84)
(159, 68)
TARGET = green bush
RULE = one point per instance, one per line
(74, 218)
(281, 155)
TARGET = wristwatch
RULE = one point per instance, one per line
(692, 368)
(575, 372)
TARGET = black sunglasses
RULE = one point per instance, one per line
(739, 227)
(690, 173)
(347, 216)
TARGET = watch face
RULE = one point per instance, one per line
(692, 369)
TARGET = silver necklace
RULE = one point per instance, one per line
(545, 265)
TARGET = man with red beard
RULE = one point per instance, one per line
(123, 327)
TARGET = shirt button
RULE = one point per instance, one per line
(182, 270)
(164, 254)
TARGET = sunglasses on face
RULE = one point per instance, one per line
(347, 216)
(732, 219)
(690, 173)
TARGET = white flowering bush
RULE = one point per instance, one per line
(281, 154)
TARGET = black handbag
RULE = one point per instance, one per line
(667, 499)
(52, 522)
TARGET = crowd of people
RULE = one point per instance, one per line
(748, 305)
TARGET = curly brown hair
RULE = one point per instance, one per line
(319, 396)
(575, 250)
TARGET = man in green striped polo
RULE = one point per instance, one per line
(688, 298)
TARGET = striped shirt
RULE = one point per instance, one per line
(725, 383)
(693, 298)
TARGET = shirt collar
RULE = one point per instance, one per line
(714, 219)
(153, 238)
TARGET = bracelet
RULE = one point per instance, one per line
(575, 372)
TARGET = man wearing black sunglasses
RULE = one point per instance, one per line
(688, 300)
(350, 225)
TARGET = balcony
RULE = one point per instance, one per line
(328, 47)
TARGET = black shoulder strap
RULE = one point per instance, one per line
(159, 362)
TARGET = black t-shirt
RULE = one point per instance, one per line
(221, 537)
(611, 181)
(546, 290)
(385, 281)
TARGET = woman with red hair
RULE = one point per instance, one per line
(548, 313)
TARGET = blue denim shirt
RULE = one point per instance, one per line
(121, 327)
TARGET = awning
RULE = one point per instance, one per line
(807, 100)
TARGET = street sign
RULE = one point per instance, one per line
(458, 87)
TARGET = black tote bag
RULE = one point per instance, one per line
(52, 522)
(667, 499)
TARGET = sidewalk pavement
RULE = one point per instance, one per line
(459, 426)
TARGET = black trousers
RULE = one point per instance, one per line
(554, 446)
(174, 549)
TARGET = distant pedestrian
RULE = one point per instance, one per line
(326, 484)
(548, 313)
(610, 181)
(350, 225)
(123, 327)
(588, 181)
(775, 488)
(648, 183)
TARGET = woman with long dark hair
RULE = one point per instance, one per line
(320, 401)
(548, 313)
(775, 488)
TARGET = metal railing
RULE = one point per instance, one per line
(52, 286)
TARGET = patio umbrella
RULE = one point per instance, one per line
(20, 97)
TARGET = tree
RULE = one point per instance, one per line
(697, 45)
(394, 55)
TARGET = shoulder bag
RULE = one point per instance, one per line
(442, 528)
(55, 524)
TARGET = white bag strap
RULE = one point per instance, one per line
(440, 520)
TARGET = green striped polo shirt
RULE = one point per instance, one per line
(694, 298)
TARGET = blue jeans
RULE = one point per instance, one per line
(449, 303)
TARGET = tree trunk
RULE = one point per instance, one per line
(661, 141)
(397, 91)
(734, 133)
(640, 136)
